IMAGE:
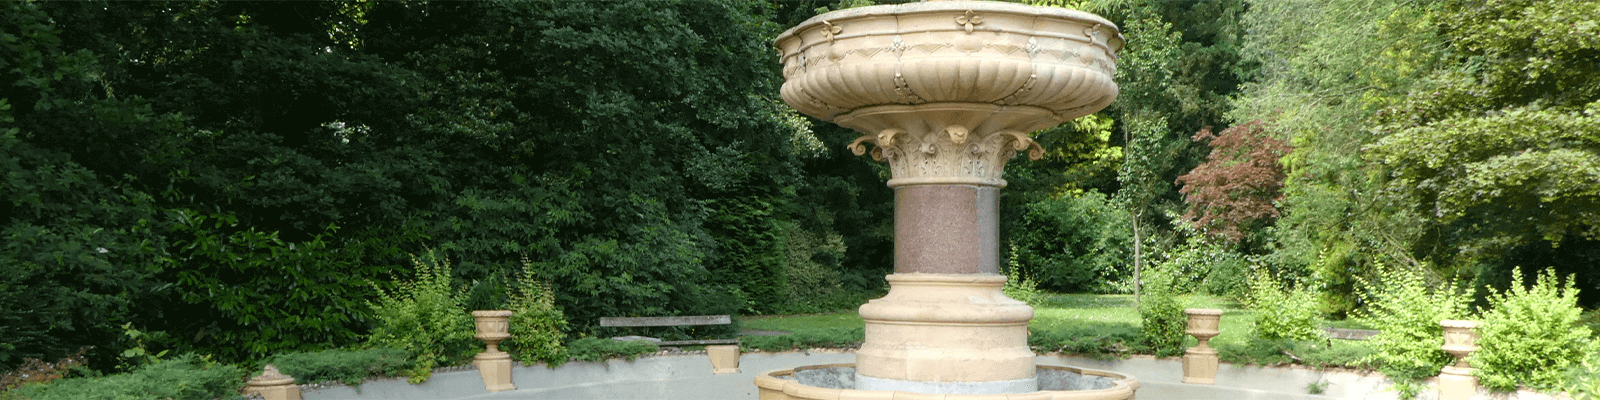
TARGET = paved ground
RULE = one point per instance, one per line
(688, 377)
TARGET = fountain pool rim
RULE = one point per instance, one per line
(773, 386)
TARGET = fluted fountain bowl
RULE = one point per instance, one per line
(1008, 67)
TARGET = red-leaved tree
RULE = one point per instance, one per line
(1239, 181)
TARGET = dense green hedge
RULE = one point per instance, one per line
(230, 176)
(186, 377)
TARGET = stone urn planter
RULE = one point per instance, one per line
(946, 92)
(494, 365)
(1456, 381)
(1200, 361)
(273, 385)
(1460, 340)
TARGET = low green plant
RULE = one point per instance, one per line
(426, 318)
(1317, 387)
(1281, 312)
(1018, 285)
(346, 366)
(137, 354)
(1583, 379)
(536, 323)
(1312, 353)
(1407, 315)
(1531, 336)
(1162, 321)
(600, 349)
(185, 377)
(814, 338)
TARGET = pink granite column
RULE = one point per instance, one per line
(946, 229)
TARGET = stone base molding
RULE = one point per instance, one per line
(1200, 366)
(942, 329)
(495, 368)
(724, 358)
(1457, 384)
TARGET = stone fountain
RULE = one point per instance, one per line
(946, 92)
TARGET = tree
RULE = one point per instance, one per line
(1319, 90)
(1240, 181)
(1501, 146)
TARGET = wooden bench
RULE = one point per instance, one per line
(1350, 334)
(619, 322)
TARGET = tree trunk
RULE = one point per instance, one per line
(1138, 259)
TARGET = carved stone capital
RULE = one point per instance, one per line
(946, 143)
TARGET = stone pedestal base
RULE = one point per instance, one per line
(282, 392)
(1200, 366)
(273, 385)
(938, 332)
(495, 367)
(724, 359)
(1456, 383)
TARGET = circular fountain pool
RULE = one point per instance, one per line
(837, 382)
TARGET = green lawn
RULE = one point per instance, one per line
(1091, 324)
(1073, 312)
(803, 323)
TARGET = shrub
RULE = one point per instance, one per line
(600, 349)
(1407, 315)
(1074, 242)
(536, 323)
(1531, 336)
(1162, 318)
(812, 281)
(347, 366)
(184, 377)
(1583, 379)
(1282, 313)
(1217, 269)
(424, 317)
(1102, 341)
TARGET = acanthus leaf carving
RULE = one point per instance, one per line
(858, 148)
(1020, 141)
(958, 133)
(887, 138)
(954, 152)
